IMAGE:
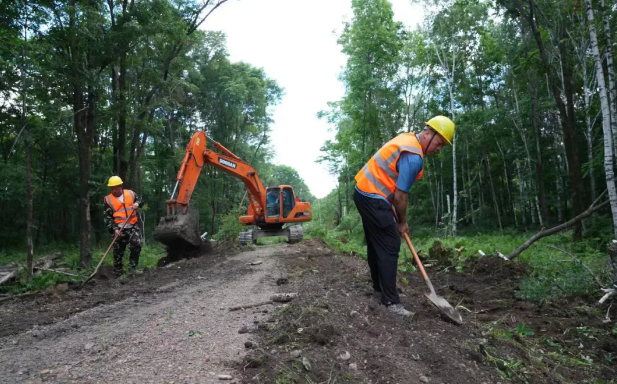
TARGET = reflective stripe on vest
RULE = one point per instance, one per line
(379, 174)
(122, 211)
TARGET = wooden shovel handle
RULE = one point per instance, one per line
(108, 249)
(415, 256)
(412, 249)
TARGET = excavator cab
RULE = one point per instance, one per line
(273, 199)
(280, 202)
(282, 207)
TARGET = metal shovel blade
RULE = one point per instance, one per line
(443, 305)
(439, 301)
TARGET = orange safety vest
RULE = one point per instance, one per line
(121, 211)
(379, 175)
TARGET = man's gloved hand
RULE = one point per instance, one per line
(117, 232)
(136, 205)
(403, 228)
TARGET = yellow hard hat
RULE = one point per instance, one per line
(114, 181)
(443, 126)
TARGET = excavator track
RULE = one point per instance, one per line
(295, 234)
(247, 237)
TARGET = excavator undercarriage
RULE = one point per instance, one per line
(294, 234)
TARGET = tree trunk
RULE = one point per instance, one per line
(30, 210)
(122, 111)
(612, 253)
(589, 133)
(490, 179)
(559, 193)
(24, 125)
(339, 212)
(610, 69)
(505, 172)
(533, 93)
(347, 181)
(465, 189)
(454, 186)
(606, 114)
(473, 215)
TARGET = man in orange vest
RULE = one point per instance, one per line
(121, 204)
(384, 182)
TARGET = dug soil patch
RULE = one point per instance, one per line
(336, 330)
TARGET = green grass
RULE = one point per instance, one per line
(70, 257)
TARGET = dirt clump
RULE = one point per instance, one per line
(440, 254)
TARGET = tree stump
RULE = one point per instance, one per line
(612, 254)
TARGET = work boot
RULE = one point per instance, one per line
(132, 272)
(398, 309)
(117, 272)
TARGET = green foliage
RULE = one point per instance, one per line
(196, 333)
(149, 258)
(522, 330)
(229, 229)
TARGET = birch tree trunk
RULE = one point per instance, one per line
(450, 80)
(610, 69)
(473, 216)
(589, 134)
(606, 123)
(465, 189)
(454, 186)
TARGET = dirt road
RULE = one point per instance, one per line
(179, 332)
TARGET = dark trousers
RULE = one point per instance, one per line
(383, 243)
(132, 238)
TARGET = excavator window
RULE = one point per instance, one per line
(273, 207)
(288, 201)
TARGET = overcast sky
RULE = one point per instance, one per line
(295, 42)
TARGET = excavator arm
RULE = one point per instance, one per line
(197, 156)
(181, 224)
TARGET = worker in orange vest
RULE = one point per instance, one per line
(384, 182)
(119, 205)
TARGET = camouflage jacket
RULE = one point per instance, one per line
(108, 215)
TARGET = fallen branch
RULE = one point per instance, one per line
(9, 277)
(595, 277)
(608, 293)
(46, 265)
(593, 208)
(20, 295)
(60, 272)
(251, 305)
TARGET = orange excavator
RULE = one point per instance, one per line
(269, 209)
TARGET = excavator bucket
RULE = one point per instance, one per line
(180, 230)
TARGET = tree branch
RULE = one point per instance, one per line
(592, 208)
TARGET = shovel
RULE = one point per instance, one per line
(439, 301)
(105, 255)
